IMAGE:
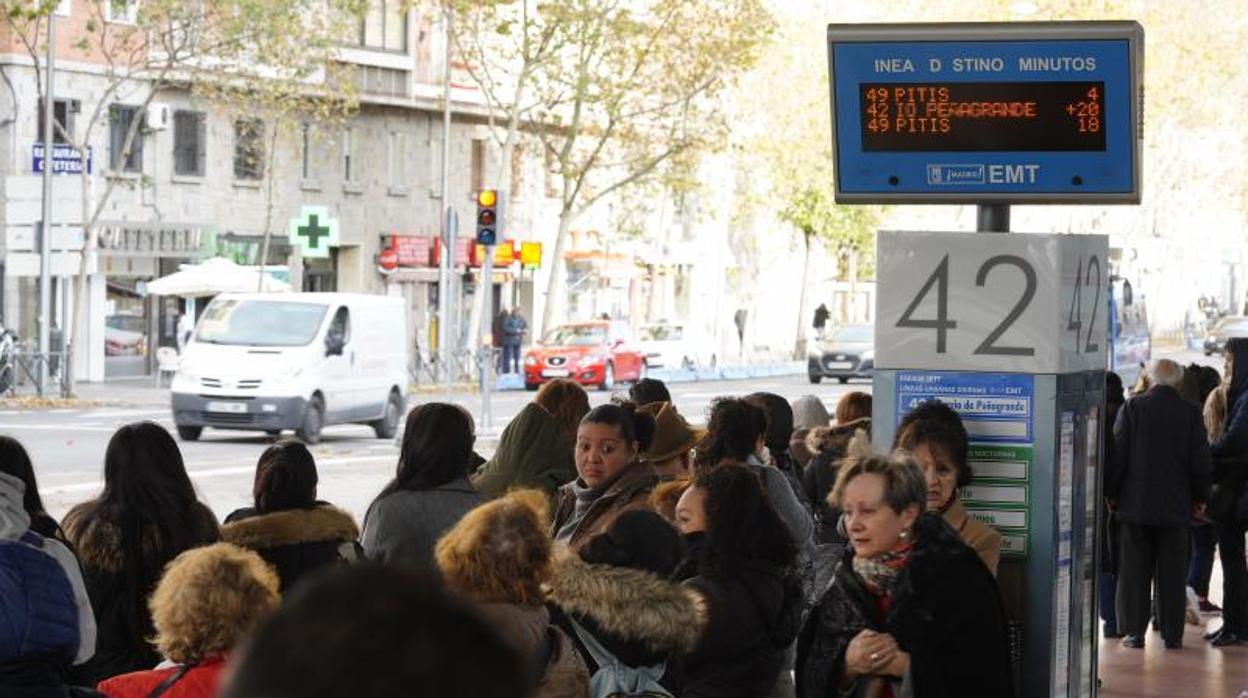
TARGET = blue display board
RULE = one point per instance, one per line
(1026, 112)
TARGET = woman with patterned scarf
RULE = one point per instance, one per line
(911, 610)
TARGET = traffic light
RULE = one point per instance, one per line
(487, 217)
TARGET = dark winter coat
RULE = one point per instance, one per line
(513, 329)
(829, 445)
(121, 647)
(533, 452)
(639, 618)
(405, 525)
(555, 666)
(752, 620)
(945, 612)
(1161, 459)
(1230, 450)
(628, 493)
(298, 541)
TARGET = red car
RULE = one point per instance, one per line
(590, 353)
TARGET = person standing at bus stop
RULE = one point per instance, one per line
(1159, 477)
(514, 328)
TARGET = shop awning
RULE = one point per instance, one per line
(216, 275)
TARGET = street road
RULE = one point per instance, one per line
(67, 445)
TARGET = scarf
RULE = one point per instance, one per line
(879, 573)
(585, 498)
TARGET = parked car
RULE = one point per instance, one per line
(301, 361)
(1226, 328)
(847, 352)
(590, 353)
(675, 345)
(125, 335)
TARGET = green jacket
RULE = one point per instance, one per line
(532, 453)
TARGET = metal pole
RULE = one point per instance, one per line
(446, 260)
(487, 320)
(992, 218)
(45, 225)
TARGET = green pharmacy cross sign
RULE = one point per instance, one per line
(314, 231)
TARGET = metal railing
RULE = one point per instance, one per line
(19, 372)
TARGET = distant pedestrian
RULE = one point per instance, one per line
(535, 449)
(1160, 477)
(1229, 451)
(291, 529)
(821, 319)
(514, 328)
(912, 606)
(739, 319)
(430, 491)
(611, 478)
(185, 329)
(147, 515)
(498, 336)
(381, 632)
(206, 602)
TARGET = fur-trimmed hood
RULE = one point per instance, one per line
(319, 524)
(98, 540)
(835, 440)
(632, 605)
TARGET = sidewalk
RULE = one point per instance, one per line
(140, 391)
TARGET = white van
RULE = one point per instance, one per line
(301, 361)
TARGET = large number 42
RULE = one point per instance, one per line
(1075, 322)
(942, 324)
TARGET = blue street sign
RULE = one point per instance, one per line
(65, 159)
(957, 113)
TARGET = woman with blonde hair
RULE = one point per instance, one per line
(207, 600)
(498, 557)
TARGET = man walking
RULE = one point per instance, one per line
(1159, 478)
(821, 319)
(514, 328)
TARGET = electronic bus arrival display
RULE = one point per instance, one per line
(958, 113)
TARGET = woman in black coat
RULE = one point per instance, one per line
(147, 514)
(288, 527)
(911, 610)
(746, 573)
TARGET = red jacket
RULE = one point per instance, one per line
(200, 682)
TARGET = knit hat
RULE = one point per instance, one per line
(672, 434)
(640, 540)
(810, 412)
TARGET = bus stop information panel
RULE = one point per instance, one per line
(968, 113)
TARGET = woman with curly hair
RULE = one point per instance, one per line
(498, 557)
(206, 601)
(535, 449)
(746, 572)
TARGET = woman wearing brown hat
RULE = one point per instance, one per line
(671, 452)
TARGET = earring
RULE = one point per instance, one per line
(840, 526)
(905, 535)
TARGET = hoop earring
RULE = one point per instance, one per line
(905, 534)
(840, 526)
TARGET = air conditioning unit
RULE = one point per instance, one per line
(158, 116)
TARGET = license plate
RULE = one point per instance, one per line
(555, 373)
(228, 407)
(839, 364)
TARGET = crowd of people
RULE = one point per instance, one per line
(614, 551)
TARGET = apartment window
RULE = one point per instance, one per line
(348, 155)
(478, 168)
(249, 149)
(384, 26)
(126, 11)
(63, 111)
(189, 140)
(305, 151)
(120, 118)
(398, 160)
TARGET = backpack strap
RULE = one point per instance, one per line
(644, 680)
(170, 680)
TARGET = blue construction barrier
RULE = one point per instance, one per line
(772, 369)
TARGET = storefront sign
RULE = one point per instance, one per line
(504, 254)
(314, 232)
(462, 247)
(412, 250)
(134, 239)
(531, 255)
(65, 159)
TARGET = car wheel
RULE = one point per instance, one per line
(388, 425)
(273, 432)
(815, 379)
(313, 421)
(187, 433)
(531, 387)
(843, 379)
(608, 377)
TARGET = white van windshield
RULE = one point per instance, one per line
(260, 323)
